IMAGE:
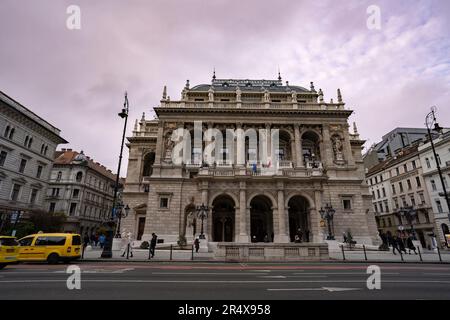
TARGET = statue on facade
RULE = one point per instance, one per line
(191, 224)
(238, 94)
(294, 96)
(211, 94)
(266, 96)
(169, 146)
(337, 148)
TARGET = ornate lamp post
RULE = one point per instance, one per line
(202, 213)
(122, 213)
(328, 214)
(107, 249)
(410, 214)
(430, 121)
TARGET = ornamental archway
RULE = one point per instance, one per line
(261, 219)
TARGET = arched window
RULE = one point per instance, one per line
(26, 141)
(149, 159)
(59, 176)
(11, 133)
(79, 176)
(45, 150)
(30, 142)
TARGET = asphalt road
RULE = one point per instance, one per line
(184, 281)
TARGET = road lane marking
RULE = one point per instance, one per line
(207, 273)
(274, 277)
(329, 289)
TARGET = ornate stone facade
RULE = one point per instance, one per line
(317, 162)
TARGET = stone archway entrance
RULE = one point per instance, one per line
(261, 219)
(299, 218)
(223, 219)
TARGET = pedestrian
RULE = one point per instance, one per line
(394, 244)
(102, 239)
(410, 244)
(307, 235)
(85, 240)
(126, 240)
(197, 244)
(401, 244)
(153, 244)
(92, 239)
(344, 236)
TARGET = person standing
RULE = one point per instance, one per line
(410, 244)
(197, 244)
(153, 244)
(394, 243)
(401, 243)
(102, 239)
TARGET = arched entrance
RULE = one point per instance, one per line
(261, 219)
(223, 218)
(299, 218)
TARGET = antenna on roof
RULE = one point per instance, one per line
(214, 74)
(279, 74)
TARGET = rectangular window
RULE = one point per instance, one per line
(393, 188)
(52, 207)
(3, 156)
(39, 172)
(397, 170)
(55, 192)
(164, 203)
(419, 184)
(22, 166)
(401, 186)
(439, 206)
(75, 193)
(73, 207)
(433, 185)
(428, 163)
(347, 203)
(413, 200)
(33, 196)
(413, 164)
(15, 192)
(405, 168)
(384, 192)
(376, 208)
(381, 207)
(386, 206)
(422, 198)
(408, 182)
(396, 203)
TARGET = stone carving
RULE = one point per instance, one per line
(169, 146)
(238, 94)
(266, 96)
(294, 96)
(337, 148)
(191, 224)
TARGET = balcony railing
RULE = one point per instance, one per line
(252, 105)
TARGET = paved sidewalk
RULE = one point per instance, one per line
(163, 255)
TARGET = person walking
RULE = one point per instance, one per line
(401, 244)
(394, 244)
(196, 244)
(102, 240)
(153, 244)
(410, 244)
(126, 238)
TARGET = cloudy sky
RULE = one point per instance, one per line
(76, 78)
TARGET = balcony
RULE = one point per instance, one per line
(251, 105)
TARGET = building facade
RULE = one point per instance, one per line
(82, 189)
(433, 182)
(398, 189)
(313, 160)
(27, 147)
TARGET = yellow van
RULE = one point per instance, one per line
(9, 249)
(50, 247)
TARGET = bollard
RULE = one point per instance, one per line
(365, 254)
(420, 254)
(149, 252)
(439, 253)
(128, 251)
(170, 252)
(343, 253)
(192, 254)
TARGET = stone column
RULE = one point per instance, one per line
(317, 230)
(269, 144)
(298, 146)
(348, 155)
(208, 221)
(160, 143)
(281, 236)
(327, 152)
(243, 235)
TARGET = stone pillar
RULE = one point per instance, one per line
(298, 147)
(208, 221)
(317, 230)
(243, 235)
(327, 151)
(160, 143)
(269, 144)
(348, 155)
(281, 236)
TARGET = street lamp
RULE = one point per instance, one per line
(107, 249)
(410, 214)
(202, 213)
(122, 213)
(328, 214)
(430, 121)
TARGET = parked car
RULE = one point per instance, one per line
(50, 247)
(9, 249)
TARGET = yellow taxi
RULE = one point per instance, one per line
(50, 247)
(8, 250)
